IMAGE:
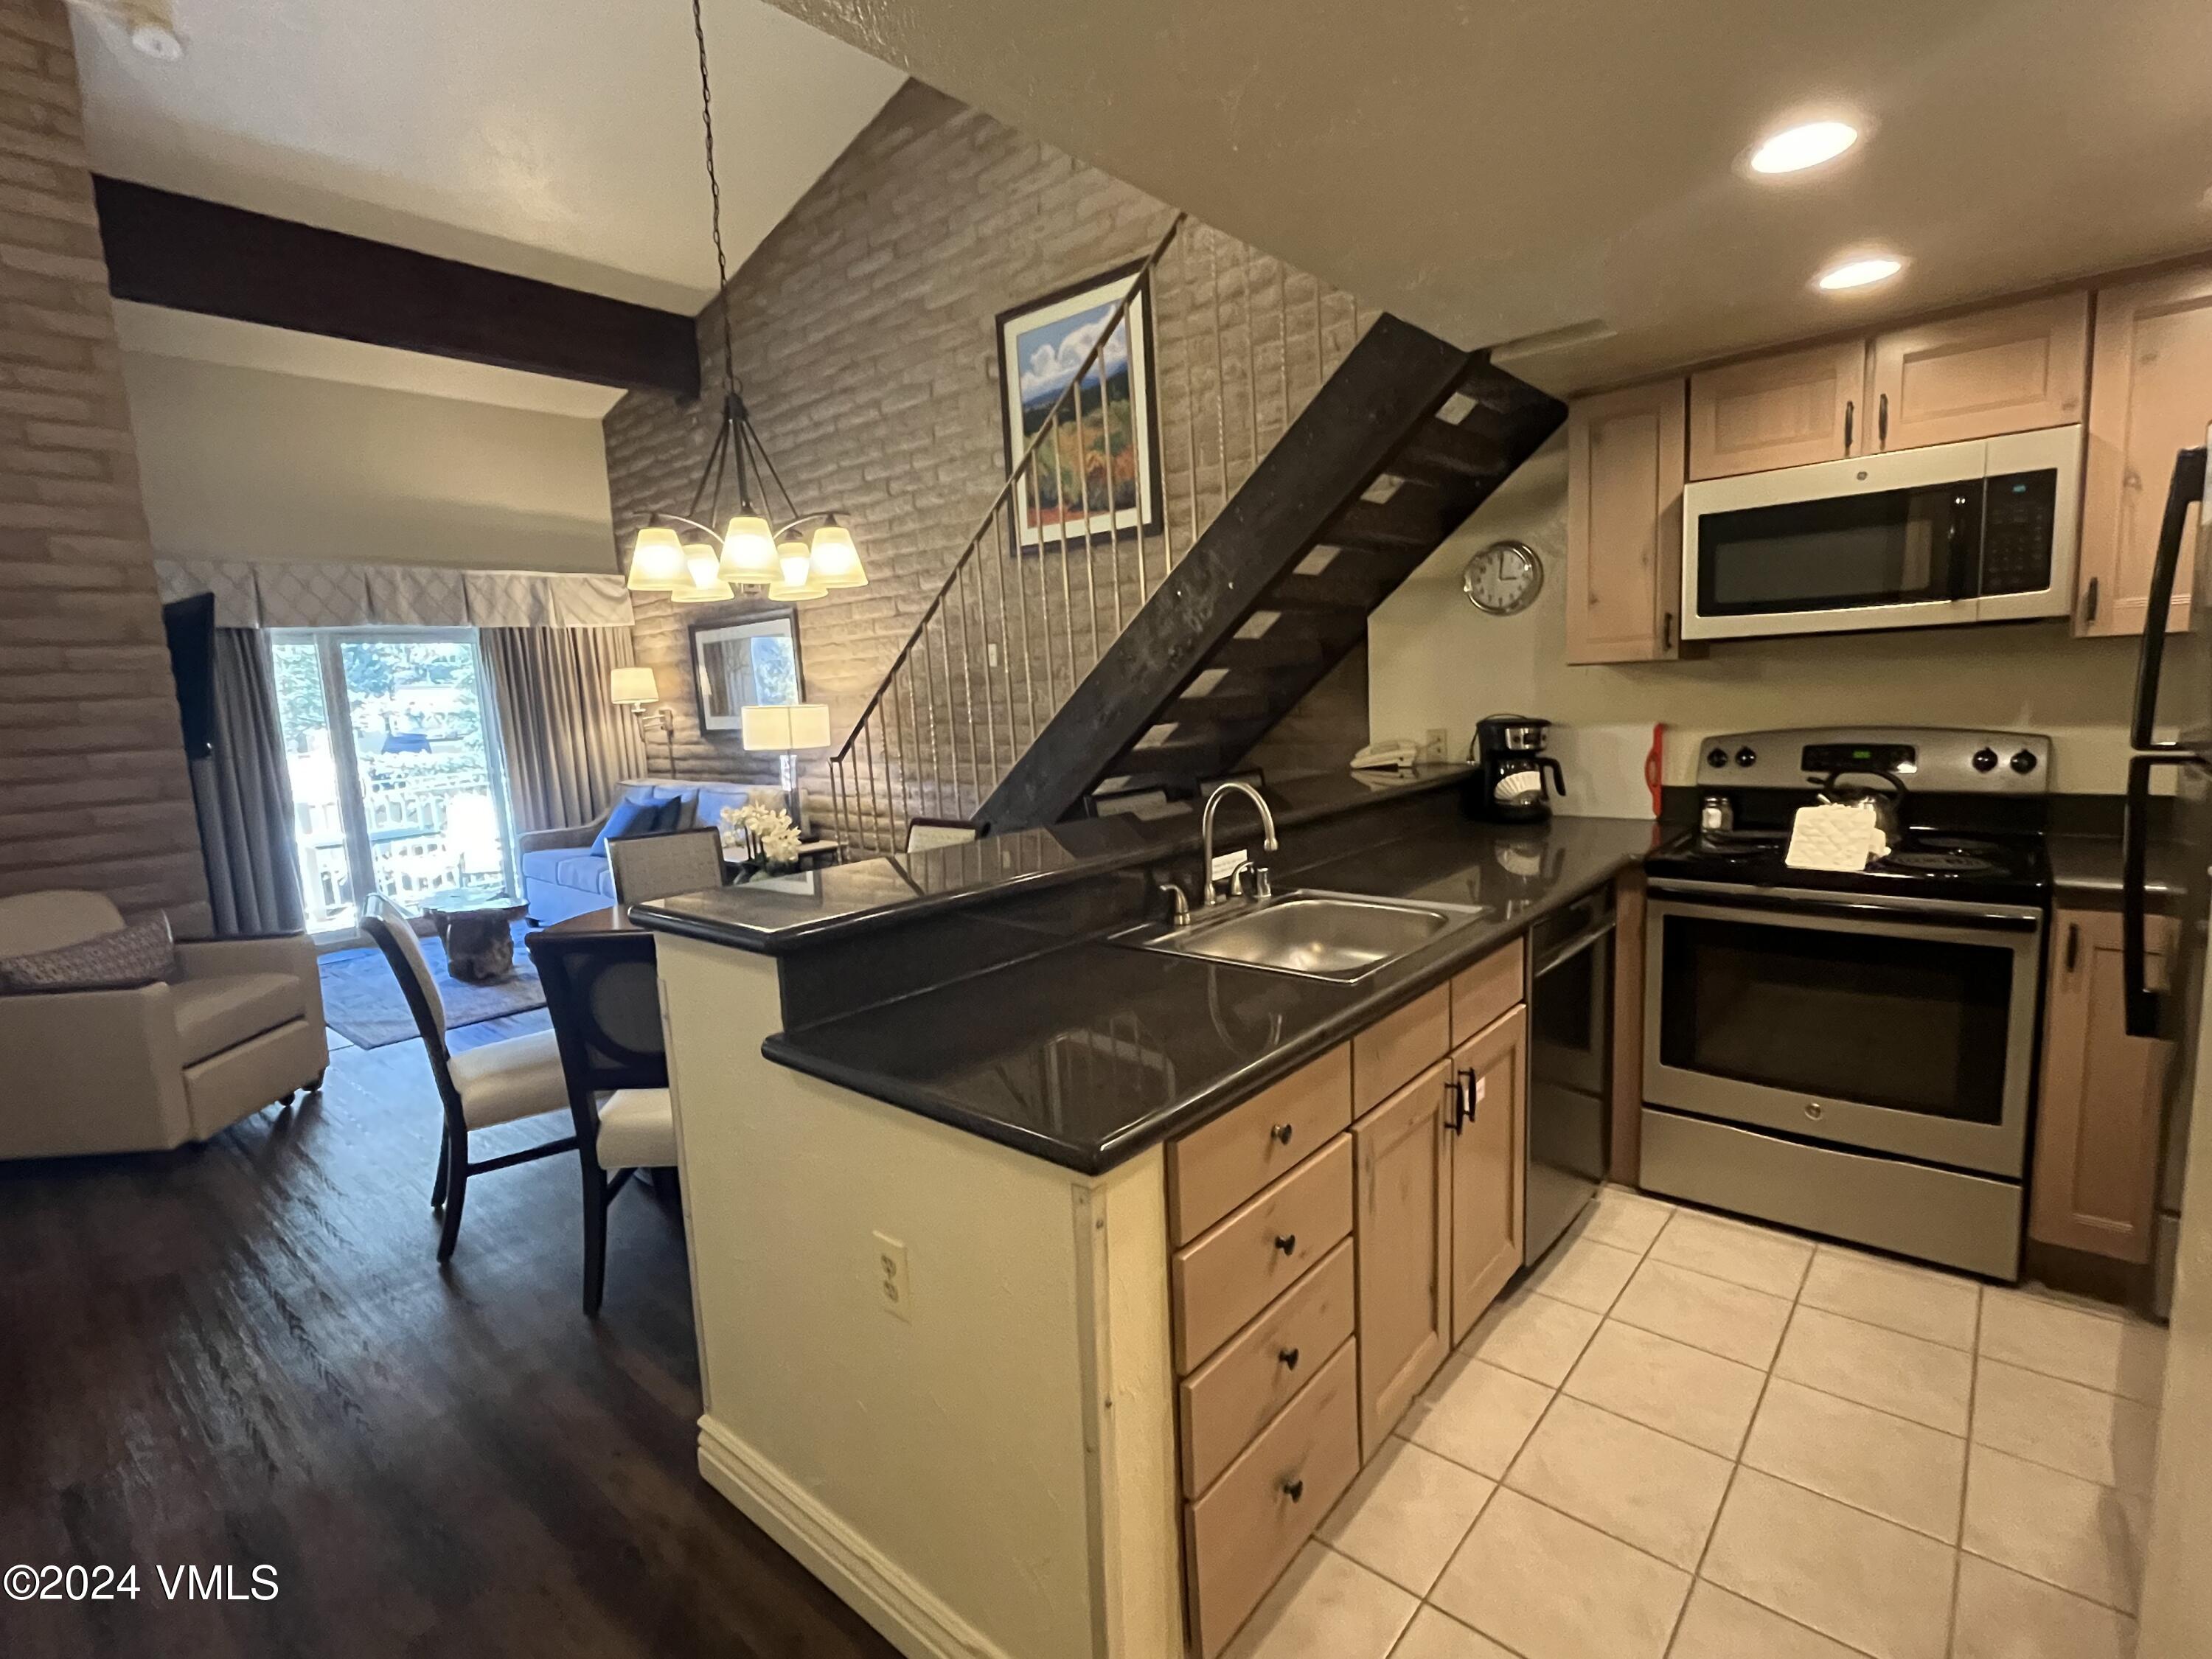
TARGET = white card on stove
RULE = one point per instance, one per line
(1835, 838)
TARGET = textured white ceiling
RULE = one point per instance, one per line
(1498, 168)
(558, 139)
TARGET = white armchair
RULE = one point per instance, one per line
(238, 1027)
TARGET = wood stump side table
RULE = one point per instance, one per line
(478, 933)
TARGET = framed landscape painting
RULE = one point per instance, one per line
(1097, 475)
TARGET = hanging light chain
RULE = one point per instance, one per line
(714, 193)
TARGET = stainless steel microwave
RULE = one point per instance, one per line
(1980, 532)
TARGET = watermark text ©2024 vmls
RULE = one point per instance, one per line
(189, 1582)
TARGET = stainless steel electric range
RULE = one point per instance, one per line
(1853, 1054)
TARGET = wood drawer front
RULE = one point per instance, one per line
(1481, 994)
(1213, 1170)
(1398, 1047)
(1229, 1400)
(1226, 1278)
(1243, 1533)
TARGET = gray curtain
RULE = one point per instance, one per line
(567, 745)
(243, 795)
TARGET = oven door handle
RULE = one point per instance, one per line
(2145, 1008)
(2185, 491)
(1780, 906)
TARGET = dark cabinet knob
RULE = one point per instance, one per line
(1985, 760)
(1281, 1131)
(1294, 1489)
(1290, 1358)
(1746, 756)
(1286, 1242)
(2024, 761)
(1717, 757)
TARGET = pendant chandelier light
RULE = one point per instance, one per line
(680, 554)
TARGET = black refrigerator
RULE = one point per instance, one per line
(2179, 665)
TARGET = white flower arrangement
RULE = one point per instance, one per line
(767, 831)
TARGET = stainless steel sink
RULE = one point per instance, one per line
(1335, 936)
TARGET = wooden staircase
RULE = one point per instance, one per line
(1406, 438)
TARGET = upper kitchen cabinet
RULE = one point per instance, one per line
(2151, 398)
(1625, 456)
(1782, 410)
(2015, 368)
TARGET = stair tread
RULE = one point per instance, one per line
(1326, 591)
(1441, 452)
(1270, 651)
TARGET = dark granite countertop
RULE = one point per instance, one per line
(2085, 872)
(1088, 1054)
(792, 913)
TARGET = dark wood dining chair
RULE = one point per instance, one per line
(605, 998)
(491, 1084)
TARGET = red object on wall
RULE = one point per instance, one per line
(1654, 766)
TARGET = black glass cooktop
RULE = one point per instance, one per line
(1928, 863)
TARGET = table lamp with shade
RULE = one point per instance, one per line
(636, 689)
(783, 728)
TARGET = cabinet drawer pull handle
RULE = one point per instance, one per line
(1849, 409)
(1881, 420)
(2073, 945)
(1281, 1133)
(1286, 1242)
(1290, 1358)
(1294, 1489)
(1469, 1093)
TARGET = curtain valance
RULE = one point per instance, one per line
(328, 595)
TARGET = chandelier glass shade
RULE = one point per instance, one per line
(695, 565)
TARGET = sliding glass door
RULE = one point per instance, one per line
(396, 782)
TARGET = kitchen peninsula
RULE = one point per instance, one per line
(1023, 1255)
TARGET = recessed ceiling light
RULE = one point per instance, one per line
(1859, 273)
(1795, 148)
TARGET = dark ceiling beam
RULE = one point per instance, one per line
(177, 250)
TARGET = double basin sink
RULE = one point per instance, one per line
(1341, 937)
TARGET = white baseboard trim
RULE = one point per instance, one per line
(881, 1591)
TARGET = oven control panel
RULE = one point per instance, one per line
(1942, 760)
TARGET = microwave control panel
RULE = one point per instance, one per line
(2019, 514)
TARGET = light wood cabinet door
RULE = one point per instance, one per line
(1488, 1139)
(1625, 460)
(2095, 1185)
(2150, 397)
(1402, 1230)
(2015, 369)
(1789, 409)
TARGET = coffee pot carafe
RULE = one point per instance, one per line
(1510, 788)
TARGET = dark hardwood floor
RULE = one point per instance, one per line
(244, 1355)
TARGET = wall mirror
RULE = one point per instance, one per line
(733, 664)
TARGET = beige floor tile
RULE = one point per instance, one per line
(1902, 1472)
(1742, 1254)
(1477, 1415)
(2085, 1431)
(1584, 1271)
(1886, 1370)
(1326, 1607)
(1867, 1582)
(1550, 1588)
(1432, 1636)
(2071, 1533)
(1630, 1220)
(1729, 1320)
(1918, 1301)
(1641, 1487)
(2118, 1354)
(1667, 1385)
(1406, 1514)
(1717, 1624)
(1533, 1336)
(2004, 1615)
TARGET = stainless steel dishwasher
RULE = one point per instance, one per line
(1570, 1066)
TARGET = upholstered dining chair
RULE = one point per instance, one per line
(496, 1083)
(605, 998)
(661, 867)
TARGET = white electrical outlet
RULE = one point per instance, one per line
(893, 1283)
(991, 649)
(1226, 864)
(1439, 741)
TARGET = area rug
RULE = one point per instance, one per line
(362, 1002)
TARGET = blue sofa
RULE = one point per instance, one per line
(562, 877)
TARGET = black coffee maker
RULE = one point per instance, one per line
(1509, 748)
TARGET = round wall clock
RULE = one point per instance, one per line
(1503, 579)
